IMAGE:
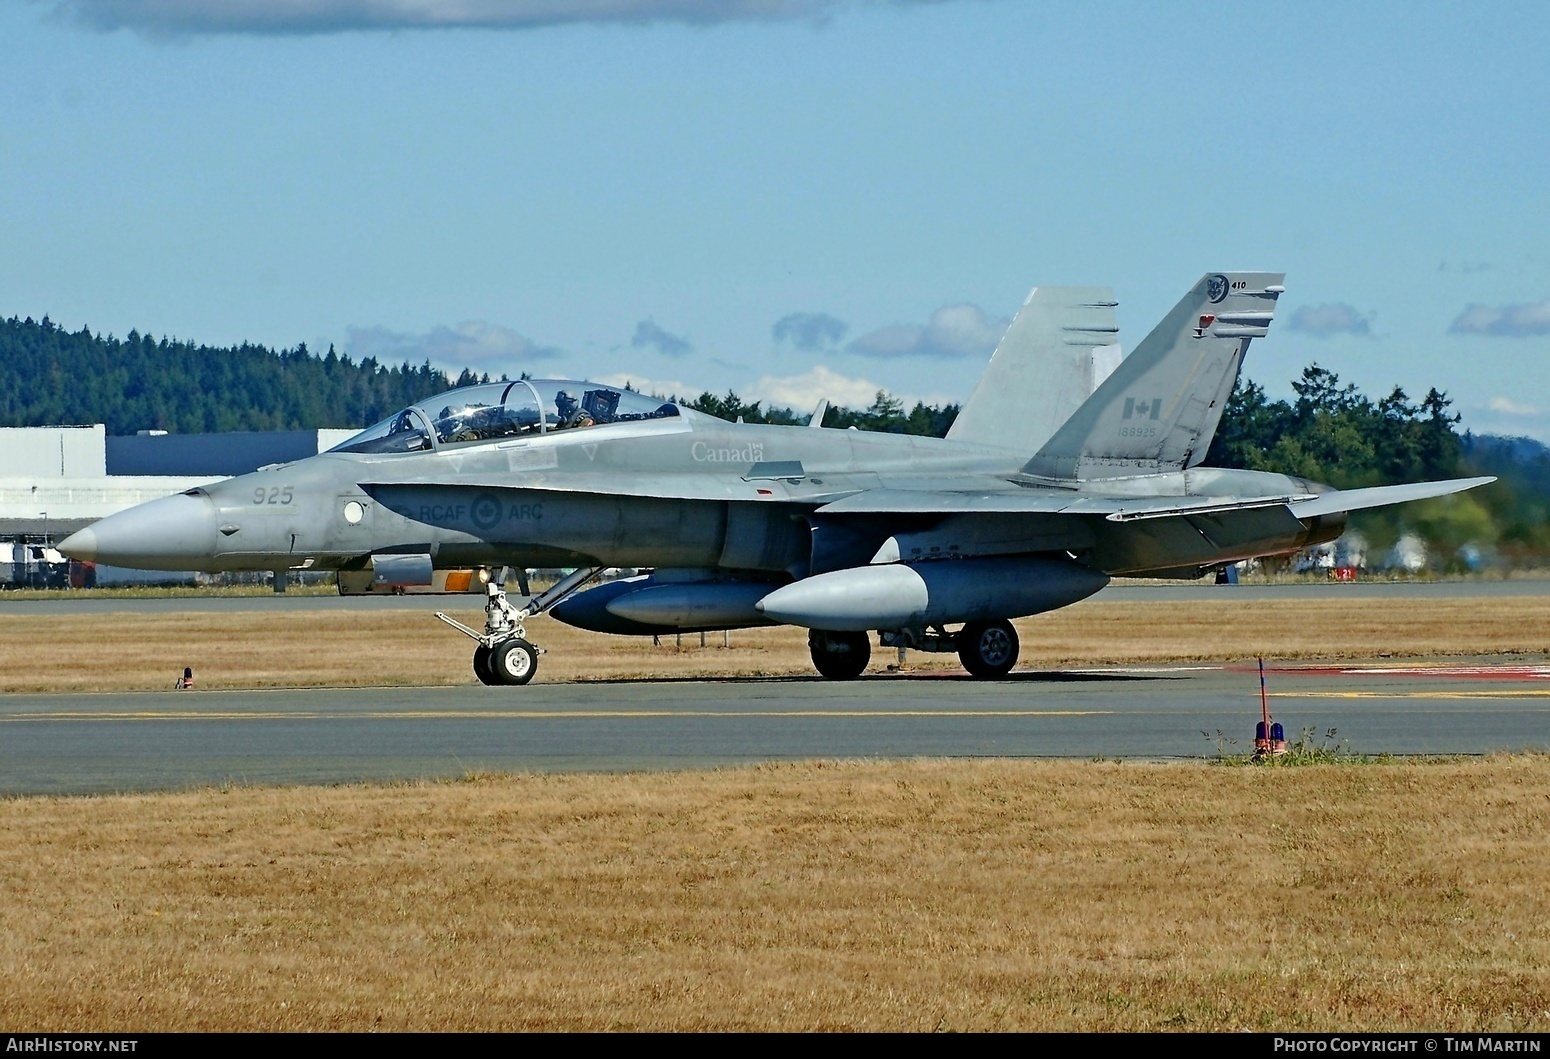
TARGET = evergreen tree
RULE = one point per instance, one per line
(50, 376)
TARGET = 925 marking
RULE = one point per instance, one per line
(275, 494)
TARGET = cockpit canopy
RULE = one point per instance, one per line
(525, 407)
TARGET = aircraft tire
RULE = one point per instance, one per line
(987, 649)
(482, 665)
(840, 655)
(513, 662)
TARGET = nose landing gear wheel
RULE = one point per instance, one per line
(839, 655)
(504, 655)
(987, 648)
(482, 665)
(513, 662)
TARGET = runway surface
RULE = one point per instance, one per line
(1122, 592)
(173, 740)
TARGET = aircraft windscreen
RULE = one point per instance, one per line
(480, 413)
(506, 410)
(400, 432)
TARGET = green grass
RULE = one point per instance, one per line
(1309, 748)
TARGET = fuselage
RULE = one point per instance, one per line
(630, 494)
(672, 490)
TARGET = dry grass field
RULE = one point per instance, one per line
(863, 895)
(915, 896)
(112, 652)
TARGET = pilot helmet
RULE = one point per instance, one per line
(564, 403)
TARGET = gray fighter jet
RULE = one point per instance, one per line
(1044, 488)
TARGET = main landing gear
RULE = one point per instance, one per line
(987, 649)
(839, 655)
(504, 655)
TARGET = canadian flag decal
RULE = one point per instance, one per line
(1205, 322)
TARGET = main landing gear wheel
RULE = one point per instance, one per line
(987, 648)
(840, 655)
(513, 662)
(482, 665)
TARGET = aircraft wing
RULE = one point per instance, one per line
(1052, 502)
(650, 486)
(934, 500)
(1129, 509)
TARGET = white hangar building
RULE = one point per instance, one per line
(55, 480)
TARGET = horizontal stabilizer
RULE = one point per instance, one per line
(1381, 496)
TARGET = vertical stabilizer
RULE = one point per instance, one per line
(1159, 409)
(1057, 350)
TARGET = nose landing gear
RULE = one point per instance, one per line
(504, 654)
(481, 665)
(513, 661)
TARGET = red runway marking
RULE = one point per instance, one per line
(1477, 672)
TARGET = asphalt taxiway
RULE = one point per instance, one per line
(173, 740)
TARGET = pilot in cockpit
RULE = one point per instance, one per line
(406, 424)
(571, 414)
(470, 423)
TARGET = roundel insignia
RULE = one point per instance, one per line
(1216, 288)
(485, 512)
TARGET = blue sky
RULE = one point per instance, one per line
(785, 198)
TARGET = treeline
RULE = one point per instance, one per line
(1333, 433)
(49, 375)
(1519, 503)
(1336, 434)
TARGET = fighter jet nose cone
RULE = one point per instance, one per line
(173, 533)
(82, 544)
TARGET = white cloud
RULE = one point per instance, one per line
(649, 387)
(178, 17)
(962, 330)
(475, 344)
(803, 392)
(1513, 321)
(1337, 318)
(1510, 407)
